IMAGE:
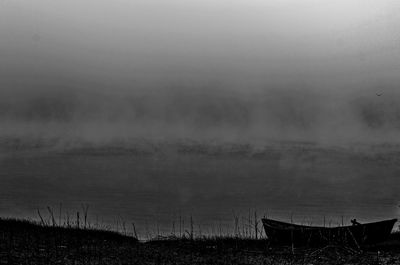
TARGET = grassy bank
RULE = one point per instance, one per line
(24, 242)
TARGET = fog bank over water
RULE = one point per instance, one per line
(249, 71)
(283, 112)
(151, 109)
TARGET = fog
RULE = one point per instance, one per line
(252, 71)
(149, 108)
(291, 111)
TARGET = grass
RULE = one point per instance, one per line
(27, 242)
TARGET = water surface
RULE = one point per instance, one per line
(154, 185)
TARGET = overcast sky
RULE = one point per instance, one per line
(247, 46)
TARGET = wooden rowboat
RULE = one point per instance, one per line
(282, 233)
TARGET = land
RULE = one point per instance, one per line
(27, 242)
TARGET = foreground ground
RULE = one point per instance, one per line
(22, 242)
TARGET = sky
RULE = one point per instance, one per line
(236, 70)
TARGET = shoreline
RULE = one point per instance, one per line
(27, 242)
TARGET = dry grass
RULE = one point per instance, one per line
(24, 242)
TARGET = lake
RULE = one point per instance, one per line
(155, 185)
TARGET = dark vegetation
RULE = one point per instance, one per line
(27, 242)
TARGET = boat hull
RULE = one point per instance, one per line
(282, 233)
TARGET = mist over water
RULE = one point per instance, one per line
(147, 110)
(205, 114)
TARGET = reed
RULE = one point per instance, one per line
(235, 241)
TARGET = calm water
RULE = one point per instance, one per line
(212, 183)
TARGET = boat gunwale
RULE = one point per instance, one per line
(290, 226)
